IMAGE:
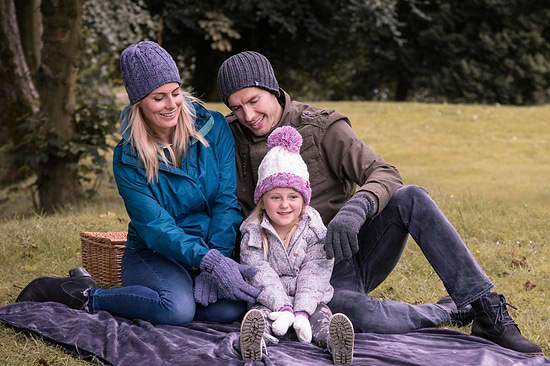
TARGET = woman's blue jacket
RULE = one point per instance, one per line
(191, 209)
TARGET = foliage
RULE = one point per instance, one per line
(489, 51)
(460, 51)
(300, 38)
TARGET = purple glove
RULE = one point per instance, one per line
(341, 240)
(228, 276)
(206, 289)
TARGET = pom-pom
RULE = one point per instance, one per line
(287, 137)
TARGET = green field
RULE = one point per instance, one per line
(488, 167)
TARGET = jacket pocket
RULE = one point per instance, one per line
(312, 157)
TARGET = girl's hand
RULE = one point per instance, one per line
(282, 321)
(302, 327)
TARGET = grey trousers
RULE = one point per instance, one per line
(382, 239)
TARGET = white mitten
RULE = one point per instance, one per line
(282, 320)
(302, 328)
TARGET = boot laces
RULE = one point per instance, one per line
(501, 311)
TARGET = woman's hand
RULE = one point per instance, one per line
(229, 276)
(206, 289)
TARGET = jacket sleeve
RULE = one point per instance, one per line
(226, 213)
(351, 159)
(313, 282)
(273, 294)
(153, 224)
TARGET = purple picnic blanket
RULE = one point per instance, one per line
(113, 340)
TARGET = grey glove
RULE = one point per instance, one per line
(341, 241)
(228, 276)
(206, 289)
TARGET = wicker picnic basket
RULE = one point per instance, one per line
(102, 255)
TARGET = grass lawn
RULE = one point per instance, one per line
(488, 168)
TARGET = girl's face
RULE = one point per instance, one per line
(283, 206)
(161, 109)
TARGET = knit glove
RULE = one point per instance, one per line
(282, 320)
(228, 277)
(206, 289)
(302, 326)
(341, 240)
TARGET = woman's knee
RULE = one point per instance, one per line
(222, 311)
(232, 311)
(175, 312)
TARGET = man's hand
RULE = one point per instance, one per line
(341, 240)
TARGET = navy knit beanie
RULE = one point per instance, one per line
(243, 70)
(146, 66)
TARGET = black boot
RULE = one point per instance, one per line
(493, 323)
(459, 317)
(66, 290)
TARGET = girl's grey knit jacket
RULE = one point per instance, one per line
(298, 276)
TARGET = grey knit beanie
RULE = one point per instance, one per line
(244, 70)
(146, 66)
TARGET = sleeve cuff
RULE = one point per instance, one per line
(210, 259)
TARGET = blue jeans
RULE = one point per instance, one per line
(160, 290)
(381, 242)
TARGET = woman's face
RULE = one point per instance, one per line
(161, 109)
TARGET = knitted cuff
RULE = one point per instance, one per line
(372, 202)
(210, 259)
(287, 308)
(302, 313)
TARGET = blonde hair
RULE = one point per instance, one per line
(258, 214)
(144, 140)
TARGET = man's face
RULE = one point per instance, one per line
(256, 109)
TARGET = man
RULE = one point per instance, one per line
(367, 229)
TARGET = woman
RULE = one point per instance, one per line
(175, 170)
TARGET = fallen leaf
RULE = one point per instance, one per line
(529, 285)
(43, 362)
(519, 263)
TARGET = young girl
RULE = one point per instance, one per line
(283, 238)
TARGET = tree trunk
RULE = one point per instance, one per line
(402, 92)
(18, 95)
(58, 182)
(30, 28)
(204, 80)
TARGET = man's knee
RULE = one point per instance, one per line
(411, 192)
